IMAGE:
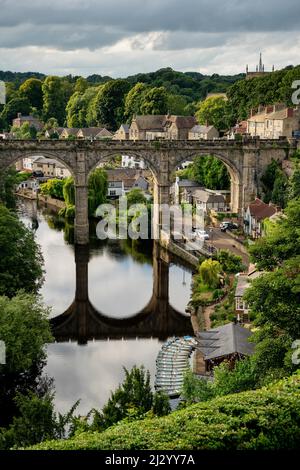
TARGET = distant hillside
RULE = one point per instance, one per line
(19, 77)
(192, 85)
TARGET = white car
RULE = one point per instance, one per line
(202, 234)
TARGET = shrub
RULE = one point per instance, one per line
(268, 418)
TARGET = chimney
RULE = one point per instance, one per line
(289, 112)
(19, 115)
(270, 109)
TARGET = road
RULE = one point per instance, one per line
(223, 241)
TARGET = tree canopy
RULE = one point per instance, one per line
(21, 261)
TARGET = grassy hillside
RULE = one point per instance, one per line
(267, 418)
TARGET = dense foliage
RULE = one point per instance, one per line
(21, 262)
(208, 171)
(132, 399)
(25, 329)
(262, 419)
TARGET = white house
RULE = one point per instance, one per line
(115, 189)
(255, 214)
(132, 162)
(28, 163)
(203, 132)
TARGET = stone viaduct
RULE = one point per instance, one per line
(245, 161)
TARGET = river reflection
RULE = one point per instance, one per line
(101, 294)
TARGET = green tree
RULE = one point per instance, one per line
(32, 90)
(209, 271)
(13, 107)
(155, 101)
(212, 111)
(294, 185)
(135, 196)
(109, 103)
(56, 93)
(36, 422)
(21, 261)
(53, 188)
(161, 404)
(280, 189)
(209, 171)
(9, 179)
(97, 193)
(282, 241)
(133, 396)
(25, 329)
(25, 132)
(78, 108)
(230, 262)
(134, 100)
(196, 389)
(177, 105)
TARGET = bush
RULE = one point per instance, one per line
(267, 418)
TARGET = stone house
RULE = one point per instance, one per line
(32, 121)
(243, 283)
(256, 212)
(88, 132)
(240, 129)
(203, 132)
(208, 200)
(50, 168)
(274, 121)
(57, 130)
(141, 183)
(147, 127)
(122, 133)
(181, 190)
(153, 127)
(178, 127)
(69, 132)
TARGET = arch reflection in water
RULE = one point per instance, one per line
(82, 322)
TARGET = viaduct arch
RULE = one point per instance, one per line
(245, 160)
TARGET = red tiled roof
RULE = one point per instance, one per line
(260, 210)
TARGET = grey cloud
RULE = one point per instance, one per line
(70, 24)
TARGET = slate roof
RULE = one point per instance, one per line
(185, 183)
(199, 129)
(224, 341)
(205, 196)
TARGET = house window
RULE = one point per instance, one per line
(113, 192)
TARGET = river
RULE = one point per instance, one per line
(119, 284)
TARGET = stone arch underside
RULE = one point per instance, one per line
(106, 156)
(14, 157)
(236, 179)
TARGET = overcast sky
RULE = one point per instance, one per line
(123, 37)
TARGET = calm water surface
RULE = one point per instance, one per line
(120, 284)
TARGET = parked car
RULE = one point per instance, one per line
(227, 225)
(202, 234)
(37, 174)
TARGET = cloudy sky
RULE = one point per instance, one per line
(123, 37)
